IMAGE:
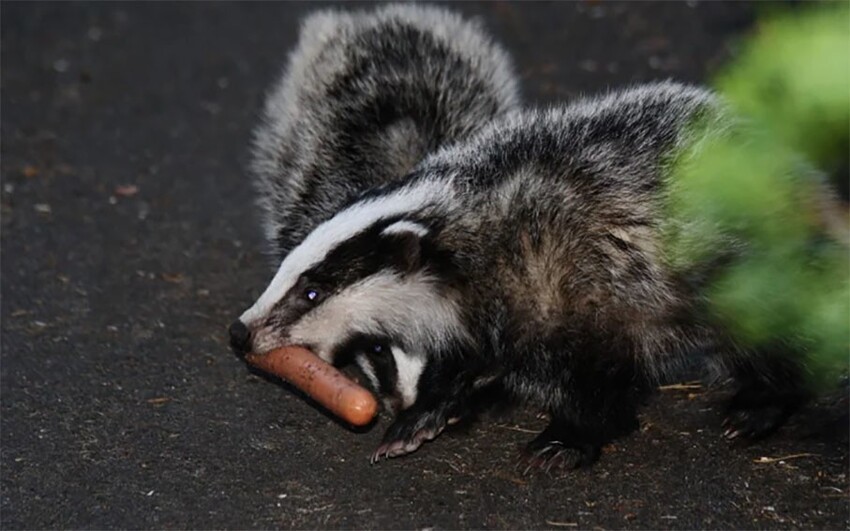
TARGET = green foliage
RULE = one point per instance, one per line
(794, 79)
(750, 189)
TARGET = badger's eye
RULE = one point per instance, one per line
(377, 348)
(311, 294)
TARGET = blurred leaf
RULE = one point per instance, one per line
(753, 190)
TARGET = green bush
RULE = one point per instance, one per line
(751, 187)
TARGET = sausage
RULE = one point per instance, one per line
(320, 381)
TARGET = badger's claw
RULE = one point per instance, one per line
(557, 457)
(407, 434)
(397, 448)
(559, 448)
(752, 424)
(757, 410)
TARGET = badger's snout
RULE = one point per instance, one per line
(240, 337)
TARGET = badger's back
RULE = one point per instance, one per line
(566, 206)
(364, 97)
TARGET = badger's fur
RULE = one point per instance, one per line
(527, 258)
(364, 97)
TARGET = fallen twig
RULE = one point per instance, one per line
(767, 460)
(158, 400)
(562, 524)
(684, 386)
(515, 428)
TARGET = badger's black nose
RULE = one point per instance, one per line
(240, 337)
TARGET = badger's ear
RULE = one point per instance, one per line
(405, 242)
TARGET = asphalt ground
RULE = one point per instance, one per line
(121, 405)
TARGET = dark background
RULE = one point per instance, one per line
(121, 403)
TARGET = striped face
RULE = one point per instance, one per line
(360, 285)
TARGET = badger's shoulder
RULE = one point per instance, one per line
(364, 97)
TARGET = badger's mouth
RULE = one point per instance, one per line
(350, 357)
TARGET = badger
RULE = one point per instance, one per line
(526, 259)
(363, 98)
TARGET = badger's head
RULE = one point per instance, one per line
(366, 285)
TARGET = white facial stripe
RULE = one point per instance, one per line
(400, 227)
(366, 366)
(409, 370)
(385, 303)
(342, 226)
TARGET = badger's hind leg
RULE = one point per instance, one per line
(768, 389)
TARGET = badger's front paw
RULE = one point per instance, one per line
(407, 434)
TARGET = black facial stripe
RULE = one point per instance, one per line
(354, 259)
(361, 256)
(383, 363)
(293, 306)
(385, 369)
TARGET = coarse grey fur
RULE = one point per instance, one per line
(527, 259)
(568, 206)
(363, 98)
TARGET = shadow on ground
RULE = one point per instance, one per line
(121, 405)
